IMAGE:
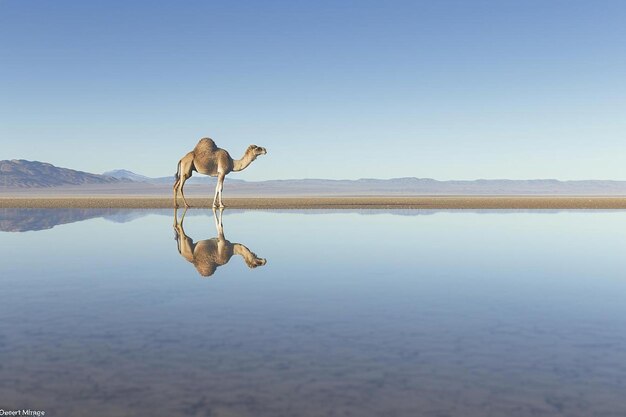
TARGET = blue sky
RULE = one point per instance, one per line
(333, 89)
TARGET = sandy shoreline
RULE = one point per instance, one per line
(418, 202)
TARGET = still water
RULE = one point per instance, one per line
(313, 313)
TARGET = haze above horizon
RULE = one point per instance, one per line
(446, 90)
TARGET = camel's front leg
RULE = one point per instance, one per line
(217, 201)
(221, 189)
(217, 191)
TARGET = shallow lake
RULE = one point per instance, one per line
(313, 313)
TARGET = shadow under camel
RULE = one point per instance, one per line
(209, 254)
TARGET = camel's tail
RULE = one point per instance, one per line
(177, 175)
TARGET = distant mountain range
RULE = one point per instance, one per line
(123, 174)
(22, 176)
(19, 173)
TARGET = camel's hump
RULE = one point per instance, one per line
(205, 145)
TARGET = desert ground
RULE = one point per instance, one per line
(347, 202)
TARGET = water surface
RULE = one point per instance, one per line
(370, 313)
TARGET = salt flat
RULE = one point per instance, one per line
(339, 202)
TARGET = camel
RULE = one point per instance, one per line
(207, 255)
(208, 159)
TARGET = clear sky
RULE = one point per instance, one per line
(333, 89)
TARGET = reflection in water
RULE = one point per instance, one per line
(31, 219)
(206, 255)
(463, 315)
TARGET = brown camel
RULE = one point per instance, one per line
(208, 159)
(207, 255)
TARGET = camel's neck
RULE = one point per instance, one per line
(244, 252)
(241, 164)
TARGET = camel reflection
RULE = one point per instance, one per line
(207, 255)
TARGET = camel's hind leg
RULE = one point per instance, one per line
(176, 193)
(185, 169)
(178, 186)
(176, 183)
(182, 193)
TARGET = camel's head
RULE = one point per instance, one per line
(256, 150)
